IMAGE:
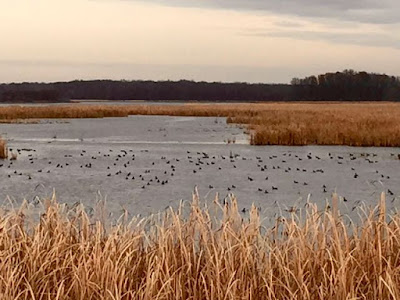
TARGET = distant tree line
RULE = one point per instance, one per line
(144, 90)
(348, 85)
(340, 86)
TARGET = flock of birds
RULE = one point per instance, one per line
(145, 171)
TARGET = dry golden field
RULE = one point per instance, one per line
(208, 253)
(353, 124)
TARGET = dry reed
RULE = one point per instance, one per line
(3, 149)
(353, 124)
(199, 255)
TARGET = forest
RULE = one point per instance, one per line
(348, 85)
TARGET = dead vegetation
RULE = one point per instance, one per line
(205, 253)
(3, 149)
(20, 121)
(352, 124)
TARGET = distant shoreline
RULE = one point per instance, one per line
(339, 86)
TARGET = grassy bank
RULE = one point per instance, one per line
(210, 253)
(353, 124)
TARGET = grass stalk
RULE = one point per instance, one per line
(3, 149)
(199, 252)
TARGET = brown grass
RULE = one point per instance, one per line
(208, 253)
(3, 149)
(19, 121)
(353, 124)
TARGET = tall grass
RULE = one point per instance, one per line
(353, 124)
(207, 253)
(3, 148)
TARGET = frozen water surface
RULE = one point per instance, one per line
(146, 163)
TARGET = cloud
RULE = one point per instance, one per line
(362, 39)
(353, 22)
(288, 24)
(365, 11)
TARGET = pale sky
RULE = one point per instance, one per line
(267, 41)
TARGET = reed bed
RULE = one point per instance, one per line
(199, 253)
(353, 124)
(3, 149)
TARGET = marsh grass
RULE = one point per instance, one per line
(199, 252)
(3, 149)
(352, 124)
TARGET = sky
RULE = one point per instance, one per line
(268, 41)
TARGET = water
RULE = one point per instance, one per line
(126, 161)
